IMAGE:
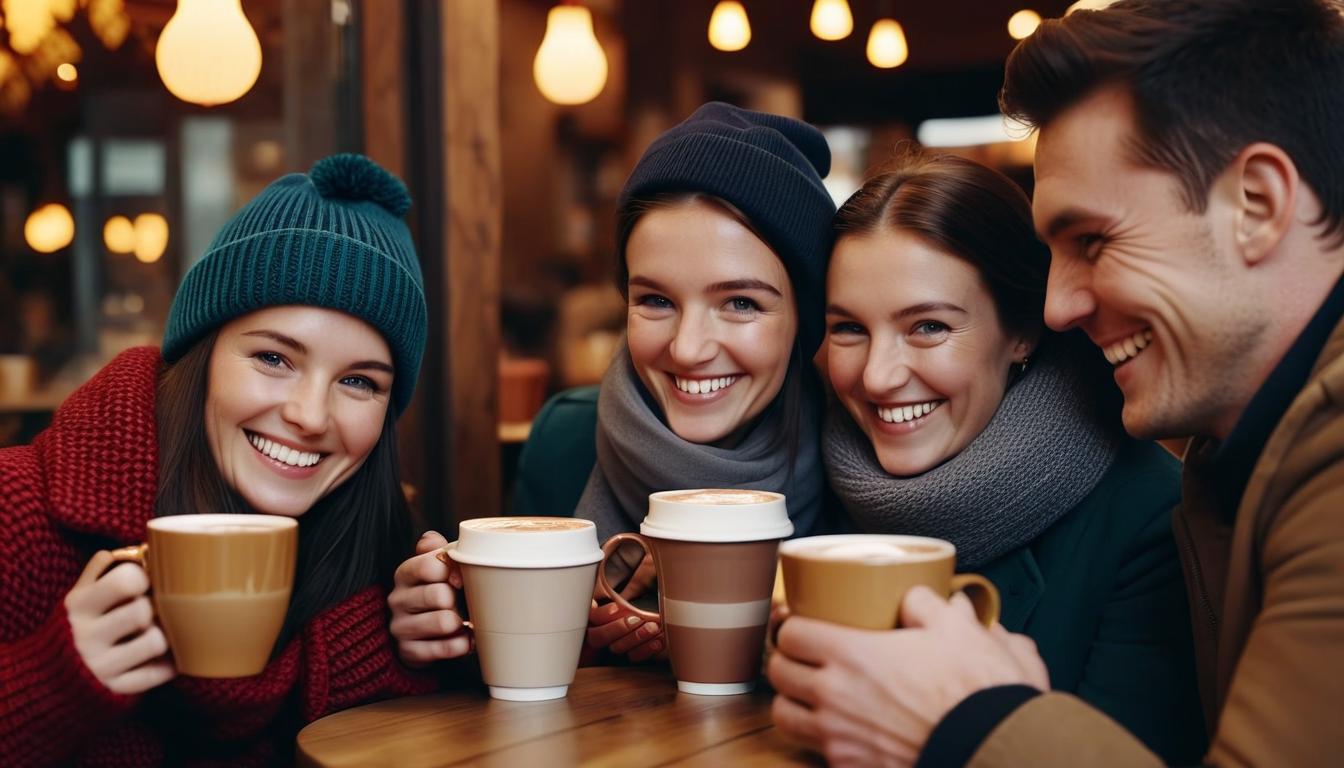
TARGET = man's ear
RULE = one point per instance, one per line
(1265, 183)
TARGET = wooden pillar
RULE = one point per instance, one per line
(384, 91)
(472, 210)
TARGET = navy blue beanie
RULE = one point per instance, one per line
(770, 168)
(333, 238)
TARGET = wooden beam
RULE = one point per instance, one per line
(472, 211)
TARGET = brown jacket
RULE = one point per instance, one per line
(1267, 597)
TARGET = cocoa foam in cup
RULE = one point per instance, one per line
(715, 553)
(529, 583)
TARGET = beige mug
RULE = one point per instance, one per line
(220, 586)
(860, 580)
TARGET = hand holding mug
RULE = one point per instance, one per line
(112, 622)
(617, 630)
(424, 603)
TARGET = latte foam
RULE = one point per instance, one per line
(525, 525)
(720, 496)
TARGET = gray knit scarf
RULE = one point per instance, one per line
(637, 455)
(1043, 451)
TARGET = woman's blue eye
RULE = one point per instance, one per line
(270, 359)
(655, 301)
(930, 327)
(743, 304)
(846, 327)
(361, 382)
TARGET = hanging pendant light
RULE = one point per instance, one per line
(729, 29)
(570, 67)
(886, 44)
(831, 19)
(1023, 23)
(49, 228)
(208, 54)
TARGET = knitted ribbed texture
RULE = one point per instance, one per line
(334, 238)
(770, 167)
(89, 482)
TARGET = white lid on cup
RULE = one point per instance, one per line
(717, 515)
(526, 542)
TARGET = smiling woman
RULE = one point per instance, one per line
(959, 416)
(292, 345)
(723, 230)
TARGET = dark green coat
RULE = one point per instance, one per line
(1100, 591)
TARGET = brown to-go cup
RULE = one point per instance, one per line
(220, 586)
(715, 554)
(529, 583)
(860, 580)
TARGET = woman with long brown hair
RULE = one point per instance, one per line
(292, 346)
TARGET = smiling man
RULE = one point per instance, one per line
(1190, 185)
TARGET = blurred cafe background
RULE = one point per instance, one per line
(130, 130)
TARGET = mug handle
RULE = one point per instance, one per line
(983, 594)
(608, 549)
(443, 556)
(132, 554)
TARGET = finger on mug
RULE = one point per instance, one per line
(962, 606)
(601, 613)
(795, 721)
(648, 650)
(431, 625)
(796, 680)
(430, 541)
(126, 620)
(809, 640)
(143, 678)
(124, 582)
(921, 607)
(422, 569)
(95, 567)
(642, 634)
(426, 597)
(603, 635)
(142, 649)
(428, 651)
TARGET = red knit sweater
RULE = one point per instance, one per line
(86, 483)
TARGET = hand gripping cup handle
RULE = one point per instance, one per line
(608, 549)
(132, 554)
(982, 593)
(443, 557)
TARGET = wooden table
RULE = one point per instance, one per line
(612, 717)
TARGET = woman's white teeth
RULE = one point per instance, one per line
(899, 413)
(1128, 347)
(703, 386)
(283, 453)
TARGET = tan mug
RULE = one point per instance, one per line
(859, 580)
(220, 586)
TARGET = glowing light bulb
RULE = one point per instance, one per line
(729, 29)
(151, 237)
(49, 228)
(1023, 23)
(67, 72)
(886, 44)
(208, 54)
(831, 19)
(570, 67)
(119, 234)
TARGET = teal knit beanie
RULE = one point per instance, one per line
(334, 238)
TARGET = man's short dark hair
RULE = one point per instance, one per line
(1208, 78)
